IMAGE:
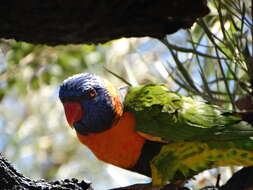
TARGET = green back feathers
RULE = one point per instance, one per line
(174, 117)
(200, 135)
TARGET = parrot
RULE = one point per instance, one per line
(152, 130)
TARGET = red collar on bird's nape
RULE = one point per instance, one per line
(91, 103)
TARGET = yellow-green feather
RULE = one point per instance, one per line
(182, 160)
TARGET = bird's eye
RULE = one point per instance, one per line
(92, 93)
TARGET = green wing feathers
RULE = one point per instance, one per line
(174, 117)
(200, 135)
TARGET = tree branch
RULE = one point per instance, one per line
(54, 22)
(11, 179)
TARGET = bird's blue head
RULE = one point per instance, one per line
(91, 104)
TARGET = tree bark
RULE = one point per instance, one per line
(11, 179)
(54, 22)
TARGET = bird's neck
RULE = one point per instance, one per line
(119, 145)
(116, 100)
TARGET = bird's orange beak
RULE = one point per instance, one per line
(73, 112)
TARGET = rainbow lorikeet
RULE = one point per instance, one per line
(153, 131)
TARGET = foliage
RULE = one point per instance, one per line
(217, 61)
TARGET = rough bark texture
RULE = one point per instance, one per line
(55, 22)
(11, 179)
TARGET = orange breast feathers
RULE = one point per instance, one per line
(120, 145)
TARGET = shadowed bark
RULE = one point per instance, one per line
(11, 179)
(55, 22)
